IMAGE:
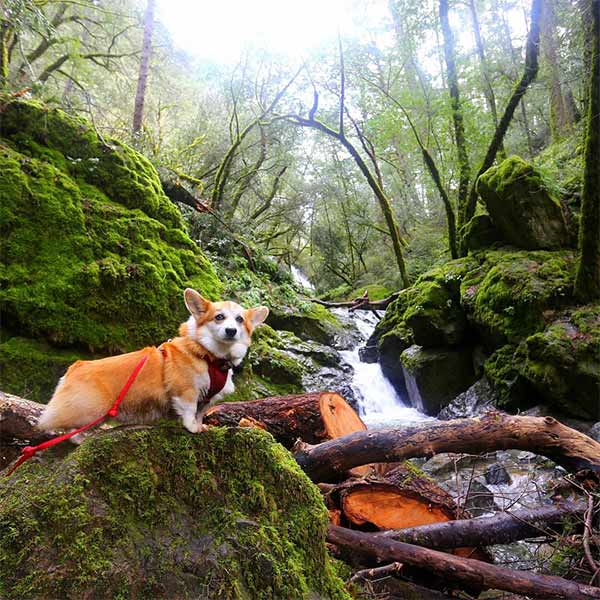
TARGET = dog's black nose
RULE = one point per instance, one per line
(230, 332)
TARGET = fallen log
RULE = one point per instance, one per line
(492, 431)
(402, 498)
(314, 417)
(360, 303)
(501, 528)
(465, 572)
(18, 418)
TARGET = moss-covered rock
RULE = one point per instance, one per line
(94, 257)
(433, 313)
(503, 370)
(480, 233)
(434, 377)
(31, 368)
(522, 205)
(508, 295)
(309, 322)
(563, 363)
(161, 513)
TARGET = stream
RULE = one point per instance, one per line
(529, 479)
(378, 402)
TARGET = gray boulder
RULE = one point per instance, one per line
(434, 377)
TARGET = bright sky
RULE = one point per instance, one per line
(219, 30)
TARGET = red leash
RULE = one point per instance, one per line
(29, 451)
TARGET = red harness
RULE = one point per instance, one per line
(218, 370)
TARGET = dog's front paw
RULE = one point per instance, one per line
(192, 425)
(202, 428)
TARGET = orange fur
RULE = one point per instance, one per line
(177, 372)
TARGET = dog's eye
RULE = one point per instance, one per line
(239, 319)
(219, 317)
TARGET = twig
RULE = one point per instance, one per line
(377, 572)
(587, 532)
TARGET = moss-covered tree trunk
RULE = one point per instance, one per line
(457, 113)
(587, 280)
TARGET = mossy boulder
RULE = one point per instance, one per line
(434, 377)
(159, 513)
(504, 371)
(508, 295)
(563, 363)
(522, 205)
(433, 313)
(480, 233)
(94, 257)
(309, 322)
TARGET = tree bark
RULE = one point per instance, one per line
(529, 74)
(313, 417)
(140, 94)
(501, 528)
(488, 90)
(562, 116)
(587, 279)
(494, 431)
(464, 571)
(18, 418)
(457, 113)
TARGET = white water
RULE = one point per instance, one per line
(300, 278)
(379, 404)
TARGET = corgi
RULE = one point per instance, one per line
(176, 374)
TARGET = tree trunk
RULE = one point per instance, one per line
(501, 528)
(457, 113)
(488, 90)
(587, 280)
(494, 431)
(562, 117)
(529, 74)
(313, 417)
(463, 571)
(140, 94)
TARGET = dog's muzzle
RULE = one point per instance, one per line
(230, 333)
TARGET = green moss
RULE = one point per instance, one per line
(523, 205)
(503, 369)
(94, 256)
(563, 363)
(507, 296)
(161, 513)
(31, 368)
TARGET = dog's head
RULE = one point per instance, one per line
(223, 328)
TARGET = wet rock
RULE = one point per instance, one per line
(480, 499)
(497, 474)
(369, 353)
(476, 400)
(435, 376)
(522, 207)
(595, 432)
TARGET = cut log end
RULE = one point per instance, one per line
(339, 417)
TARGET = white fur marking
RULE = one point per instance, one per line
(187, 412)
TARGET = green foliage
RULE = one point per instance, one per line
(159, 512)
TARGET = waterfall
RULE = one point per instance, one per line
(301, 279)
(378, 402)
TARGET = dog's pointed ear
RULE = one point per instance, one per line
(195, 303)
(258, 315)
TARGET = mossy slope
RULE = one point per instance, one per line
(94, 255)
(161, 513)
